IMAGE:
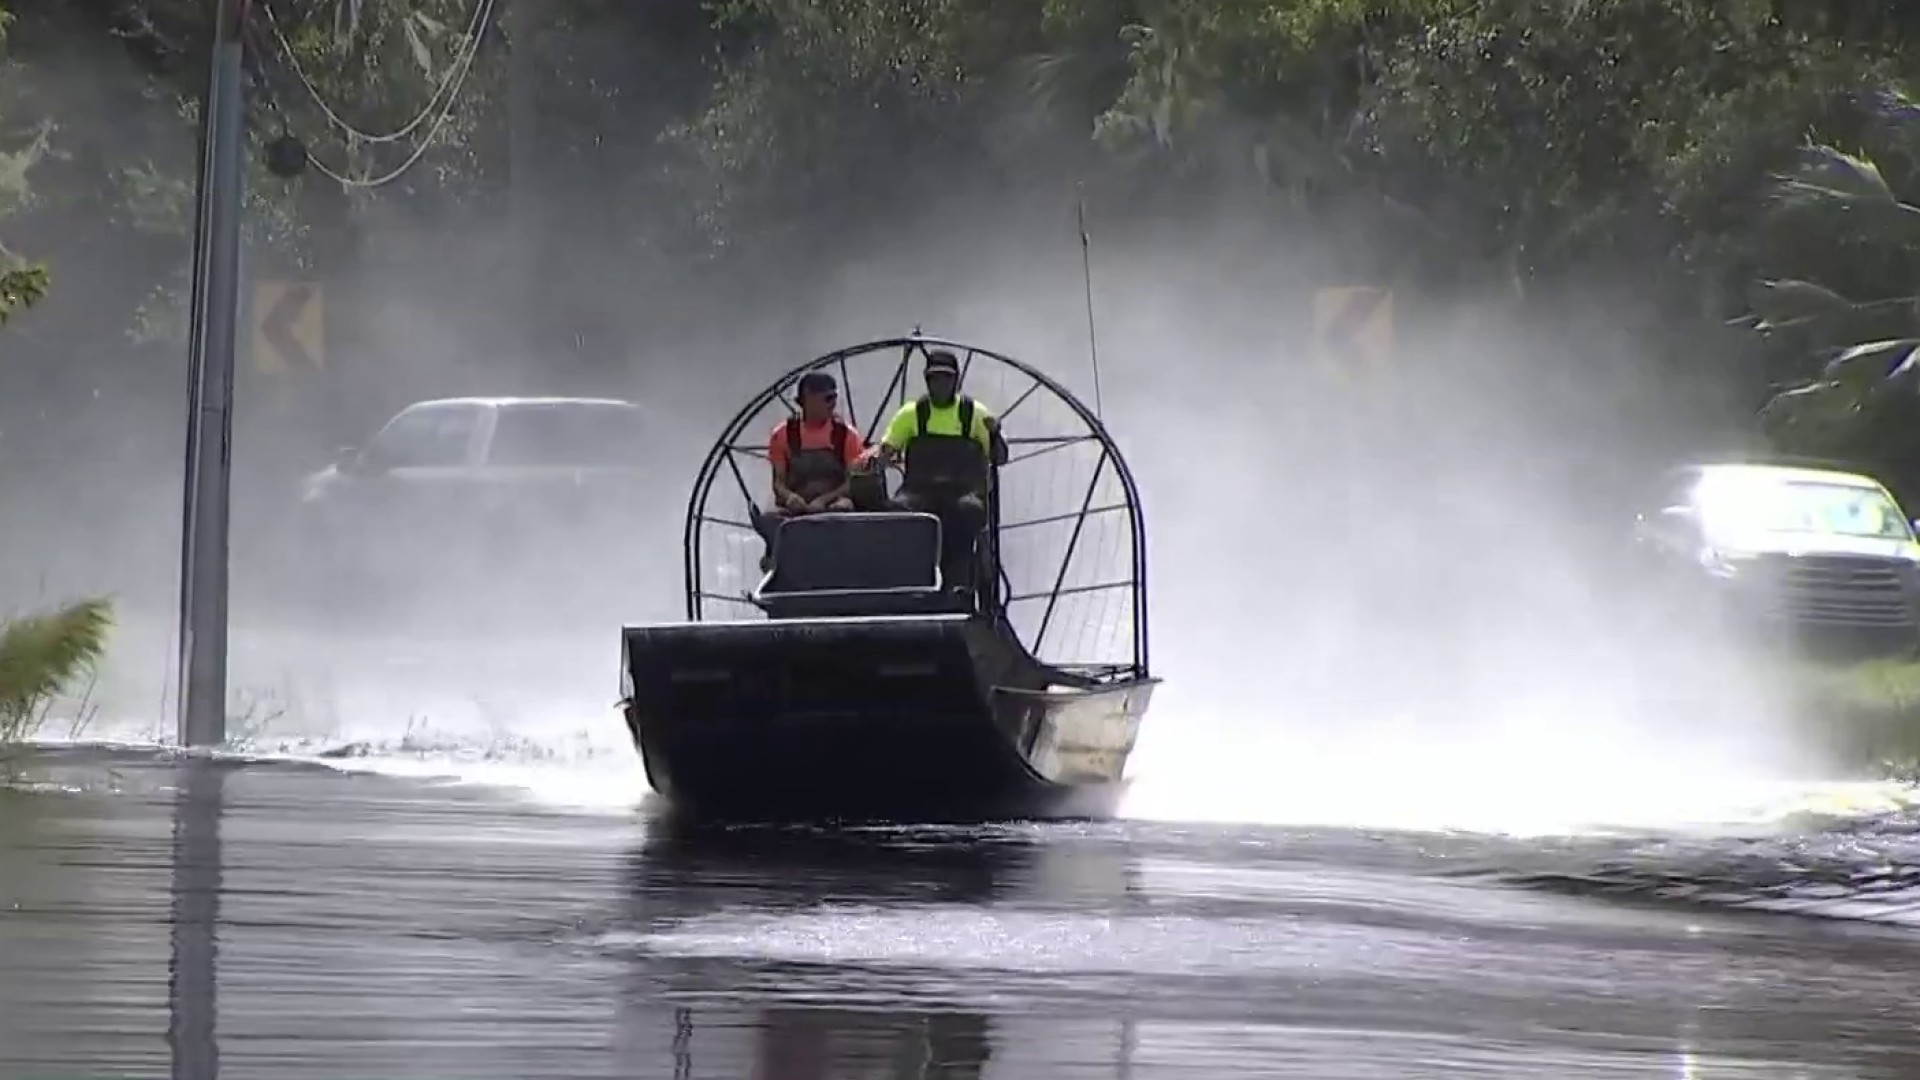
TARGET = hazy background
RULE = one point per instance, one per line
(1366, 582)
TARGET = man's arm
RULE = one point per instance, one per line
(900, 431)
(856, 447)
(983, 424)
(986, 431)
(783, 496)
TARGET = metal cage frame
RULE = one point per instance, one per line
(723, 453)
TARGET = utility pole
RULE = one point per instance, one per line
(216, 300)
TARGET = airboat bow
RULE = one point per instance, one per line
(850, 679)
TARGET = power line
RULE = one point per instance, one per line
(456, 74)
(440, 111)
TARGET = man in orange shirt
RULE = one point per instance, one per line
(813, 456)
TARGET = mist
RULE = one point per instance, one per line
(1391, 597)
(1384, 597)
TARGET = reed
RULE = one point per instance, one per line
(44, 656)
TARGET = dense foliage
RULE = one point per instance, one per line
(21, 282)
(1842, 287)
(100, 103)
(1699, 150)
(1736, 162)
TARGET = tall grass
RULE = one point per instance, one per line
(1867, 714)
(43, 656)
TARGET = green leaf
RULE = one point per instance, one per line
(21, 288)
(1846, 195)
(1788, 302)
(421, 54)
(1871, 362)
(1836, 171)
(1808, 418)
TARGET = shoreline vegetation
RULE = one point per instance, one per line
(46, 656)
(1867, 712)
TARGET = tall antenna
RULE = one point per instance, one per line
(1086, 275)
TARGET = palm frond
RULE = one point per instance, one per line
(1810, 417)
(1839, 192)
(1787, 302)
(1872, 362)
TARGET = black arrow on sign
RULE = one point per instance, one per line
(1343, 330)
(277, 327)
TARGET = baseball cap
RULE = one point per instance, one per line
(941, 360)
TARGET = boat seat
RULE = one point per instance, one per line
(847, 564)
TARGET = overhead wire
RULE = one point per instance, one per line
(476, 26)
(438, 110)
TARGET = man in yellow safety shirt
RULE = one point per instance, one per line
(945, 444)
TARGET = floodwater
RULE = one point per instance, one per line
(194, 918)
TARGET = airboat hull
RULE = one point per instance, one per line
(921, 718)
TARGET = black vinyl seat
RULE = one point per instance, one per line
(846, 564)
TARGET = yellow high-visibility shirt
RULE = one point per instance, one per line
(941, 420)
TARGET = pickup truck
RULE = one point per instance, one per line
(1816, 557)
(528, 502)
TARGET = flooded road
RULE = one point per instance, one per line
(194, 918)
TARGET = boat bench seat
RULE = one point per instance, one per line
(847, 564)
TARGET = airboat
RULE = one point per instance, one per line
(849, 680)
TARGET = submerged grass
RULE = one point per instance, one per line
(43, 656)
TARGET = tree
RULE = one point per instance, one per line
(21, 283)
(21, 287)
(830, 116)
(120, 161)
(1838, 300)
(1533, 136)
(354, 77)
